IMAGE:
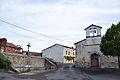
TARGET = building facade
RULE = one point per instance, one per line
(88, 52)
(58, 52)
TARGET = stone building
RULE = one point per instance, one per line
(88, 52)
(58, 52)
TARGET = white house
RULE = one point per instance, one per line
(58, 52)
(88, 52)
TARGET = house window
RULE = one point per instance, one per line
(66, 52)
(73, 53)
(69, 53)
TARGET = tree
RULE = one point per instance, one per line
(110, 42)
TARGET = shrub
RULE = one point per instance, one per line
(69, 57)
(4, 63)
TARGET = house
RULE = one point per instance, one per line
(88, 52)
(9, 47)
(32, 53)
(59, 53)
(12, 48)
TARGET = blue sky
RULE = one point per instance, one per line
(61, 19)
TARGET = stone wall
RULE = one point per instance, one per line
(109, 62)
(104, 62)
(19, 60)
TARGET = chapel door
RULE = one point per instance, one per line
(94, 60)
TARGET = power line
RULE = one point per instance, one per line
(32, 31)
(25, 35)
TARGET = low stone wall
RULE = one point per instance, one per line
(22, 63)
(109, 65)
(19, 60)
(101, 65)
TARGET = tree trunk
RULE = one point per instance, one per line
(119, 62)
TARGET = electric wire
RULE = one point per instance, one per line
(32, 31)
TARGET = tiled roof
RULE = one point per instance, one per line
(32, 52)
(79, 41)
(59, 45)
(12, 45)
(93, 25)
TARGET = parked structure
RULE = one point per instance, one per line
(88, 50)
(58, 52)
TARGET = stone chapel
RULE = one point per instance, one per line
(88, 52)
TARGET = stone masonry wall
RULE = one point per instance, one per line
(19, 60)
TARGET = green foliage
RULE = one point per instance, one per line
(69, 57)
(4, 63)
(110, 43)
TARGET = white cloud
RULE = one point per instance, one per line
(62, 19)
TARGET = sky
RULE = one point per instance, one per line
(63, 20)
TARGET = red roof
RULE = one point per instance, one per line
(32, 52)
(12, 45)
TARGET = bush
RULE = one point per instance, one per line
(69, 57)
(4, 63)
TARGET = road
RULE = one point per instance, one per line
(66, 72)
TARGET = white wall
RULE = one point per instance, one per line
(55, 52)
(70, 52)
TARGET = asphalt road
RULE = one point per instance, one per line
(66, 72)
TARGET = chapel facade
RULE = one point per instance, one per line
(88, 52)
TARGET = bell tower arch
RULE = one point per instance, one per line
(93, 31)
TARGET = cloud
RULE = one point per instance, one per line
(62, 19)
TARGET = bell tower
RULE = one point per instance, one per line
(93, 31)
